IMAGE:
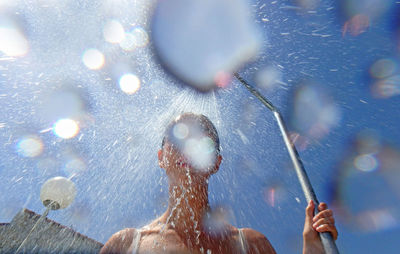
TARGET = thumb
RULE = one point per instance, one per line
(310, 213)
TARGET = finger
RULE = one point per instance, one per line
(322, 206)
(323, 221)
(323, 214)
(310, 212)
(328, 228)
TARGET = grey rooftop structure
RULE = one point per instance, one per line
(48, 237)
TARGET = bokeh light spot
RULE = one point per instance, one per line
(314, 113)
(356, 25)
(30, 146)
(268, 77)
(137, 38)
(383, 68)
(180, 131)
(93, 59)
(366, 162)
(200, 152)
(74, 166)
(141, 37)
(386, 88)
(128, 43)
(113, 32)
(66, 128)
(129, 83)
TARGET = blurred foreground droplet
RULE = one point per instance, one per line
(12, 40)
(360, 14)
(113, 32)
(367, 191)
(137, 38)
(66, 128)
(268, 77)
(387, 78)
(314, 113)
(30, 146)
(193, 137)
(74, 166)
(199, 40)
(93, 59)
(216, 221)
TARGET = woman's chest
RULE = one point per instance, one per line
(173, 244)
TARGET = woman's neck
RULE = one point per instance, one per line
(187, 206)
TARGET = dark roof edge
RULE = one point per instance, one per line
(32, 213)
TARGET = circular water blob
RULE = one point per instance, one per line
(30, 146)
(366, 162)
(12, 41)
(367, 191)
(200, 152)
(113, 32)
(137, 38)
(268, 77)
(197, 41)
(93, 59)
(373, 9)
(180, 131)
(313, 111)
(74, 166)
(63, 103)
(383, 68)
(66, 128)
(387, 87)
(129, 83)
(217, 220)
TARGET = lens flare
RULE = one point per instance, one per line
(30, 146)
(66, 128)
(129, 83)
(113, 32)
(93, 59)
(275, 194)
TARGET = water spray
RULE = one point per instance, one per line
(326, 237)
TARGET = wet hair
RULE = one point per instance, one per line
(201, 121)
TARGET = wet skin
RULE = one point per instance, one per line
(181, 229)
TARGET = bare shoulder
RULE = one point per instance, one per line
(119, 242)
(257, 242)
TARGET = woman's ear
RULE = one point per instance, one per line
(161, 161)
(217, 164)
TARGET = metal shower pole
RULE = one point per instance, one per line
(326, 237)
